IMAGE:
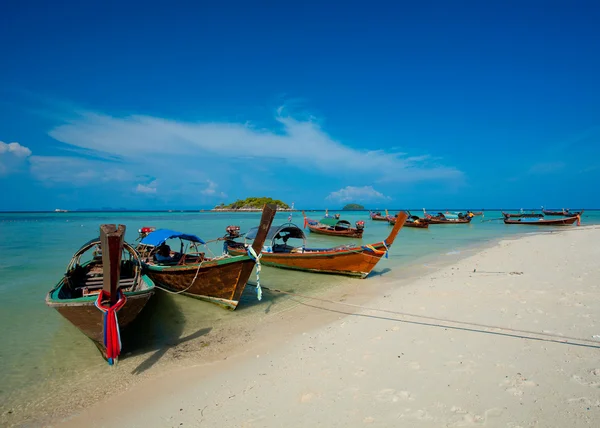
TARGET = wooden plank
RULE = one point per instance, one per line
(111, 243)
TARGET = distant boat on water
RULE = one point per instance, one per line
(58, 210)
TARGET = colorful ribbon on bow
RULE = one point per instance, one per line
(376, 251)
(112, 335)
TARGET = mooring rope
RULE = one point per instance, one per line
(556, 337)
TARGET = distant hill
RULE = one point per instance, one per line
(252, 204)
(353, 207)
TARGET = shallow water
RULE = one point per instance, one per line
(40, 348)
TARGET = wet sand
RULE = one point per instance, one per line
(325, 364)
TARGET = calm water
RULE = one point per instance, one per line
(39, 346)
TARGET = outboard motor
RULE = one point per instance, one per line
(360, 225)
(232, 232)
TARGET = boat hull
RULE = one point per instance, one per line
(221, 282)
(84, 315)
(420, 225)
(558, 222)
(348, 233)
(439, 221)
(356, 261)
(561, 213)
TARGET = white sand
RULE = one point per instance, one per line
(372, 369)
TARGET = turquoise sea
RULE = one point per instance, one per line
(41, 354)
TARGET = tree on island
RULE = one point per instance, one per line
(353, 207)
(253, 203)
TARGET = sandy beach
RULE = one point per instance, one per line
(326, 364)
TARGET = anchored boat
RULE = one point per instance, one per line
(189, 271)
(411, 221)
(333, 226)
(349, 260)
(93, 291)
(378, 217)
(534, 221)
(442, 218)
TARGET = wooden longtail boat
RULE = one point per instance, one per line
(564, 213)
(476, 213)
(440, 218)
(566, 221)
(343, 260)
(378, 217)
(332, 226)
(75, 295)
(522, 215)
(219, 280)
(411, 221)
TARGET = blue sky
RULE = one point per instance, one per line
(391, 104)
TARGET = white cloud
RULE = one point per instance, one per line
(299, 143)
(15, 149)
(546, 167)
(76, 171)
(147, 188)
(12, 157)
(357, 194)
(211, 189)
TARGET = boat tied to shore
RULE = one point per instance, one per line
(92, 292)
(189, 271)
(334, 226)
(351, 259)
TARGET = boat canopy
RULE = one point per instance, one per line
(330, 221)
(158, 237)
(289, 230)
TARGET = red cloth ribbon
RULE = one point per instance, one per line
(112, 335)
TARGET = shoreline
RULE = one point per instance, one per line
(240, 342)
(296, 364)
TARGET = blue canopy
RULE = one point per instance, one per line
(159, 236)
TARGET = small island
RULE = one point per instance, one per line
(353, 207)
(252, 204)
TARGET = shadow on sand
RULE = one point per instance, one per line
(159, 327)
(249, 300)
(381, 272)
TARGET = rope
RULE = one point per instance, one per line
(256, 258)
(378, 252)
(112, 335)
(556, 337)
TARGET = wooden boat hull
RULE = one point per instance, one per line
(352, 262)
(221, 282)
(379, 218)
(561, 213)
(348, 233)
(522, 215)
(84, 315)
(440, 221)
(558, 222)
(418, 225)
